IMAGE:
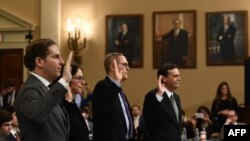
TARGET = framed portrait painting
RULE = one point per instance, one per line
(124, 33)
(174, 38)
(226, 37)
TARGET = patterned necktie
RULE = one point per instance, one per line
(175, 107)
(131, 126)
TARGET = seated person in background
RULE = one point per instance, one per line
(138, 122)
(204, 120)
(188, 124)
(15, 131)
(9, 98)
(86, 114)
(222, 102)
(232, 119)
(5, 126)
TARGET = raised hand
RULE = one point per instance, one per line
(228, 121)
(67, 68)
(117, 72)
(161, 87)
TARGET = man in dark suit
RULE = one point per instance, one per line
(177, 44)
(40, 115)
(138, 122)
(162, 108)
(125, 43)
(225, 37)
(10, 96)
(5, 126)
(112, 119)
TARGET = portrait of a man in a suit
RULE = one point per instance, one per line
(226, 38)
(177, 39)
(174, 38)
(124, 35)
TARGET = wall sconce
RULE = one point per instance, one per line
(74, 39)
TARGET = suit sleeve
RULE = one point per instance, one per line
(36, 105)
(103, 94)
(151, 107)
(185, 40)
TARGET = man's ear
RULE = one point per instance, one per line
(163, 79)
(39, 62)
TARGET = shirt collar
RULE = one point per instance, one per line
(43, 80)
(116, 82)
(168, 92)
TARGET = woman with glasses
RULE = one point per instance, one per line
(78, 126)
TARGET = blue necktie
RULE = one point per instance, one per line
(131, 126)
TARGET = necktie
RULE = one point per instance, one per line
(131, 126)
(17, 137)
(175, 107)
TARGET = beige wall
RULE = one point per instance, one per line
(198, 85)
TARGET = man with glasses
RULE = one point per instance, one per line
(112, 117)
(232, 119)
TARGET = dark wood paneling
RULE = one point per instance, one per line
(11, 62)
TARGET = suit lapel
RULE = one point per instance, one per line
(118, 104)
(170, 107)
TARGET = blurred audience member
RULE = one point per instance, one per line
(222, 102)
(10, 96)
(15, 132)
(232, 119)
(138, 122)
(189, 125)
(3, 92)
(86, 114)
(5, 126)
(205, 121)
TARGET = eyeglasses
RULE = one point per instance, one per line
(80, 79)
(124, 64)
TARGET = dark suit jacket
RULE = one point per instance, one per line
(177, 46)
(140, 129)
(227, 49)
(78, 126)
(108, 118)
(39, 114)
(160, 119)
(6, 98)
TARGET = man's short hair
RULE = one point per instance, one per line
(4, 116)
(136, 106)
(164, 69)
(109, 58)
(37, 48)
